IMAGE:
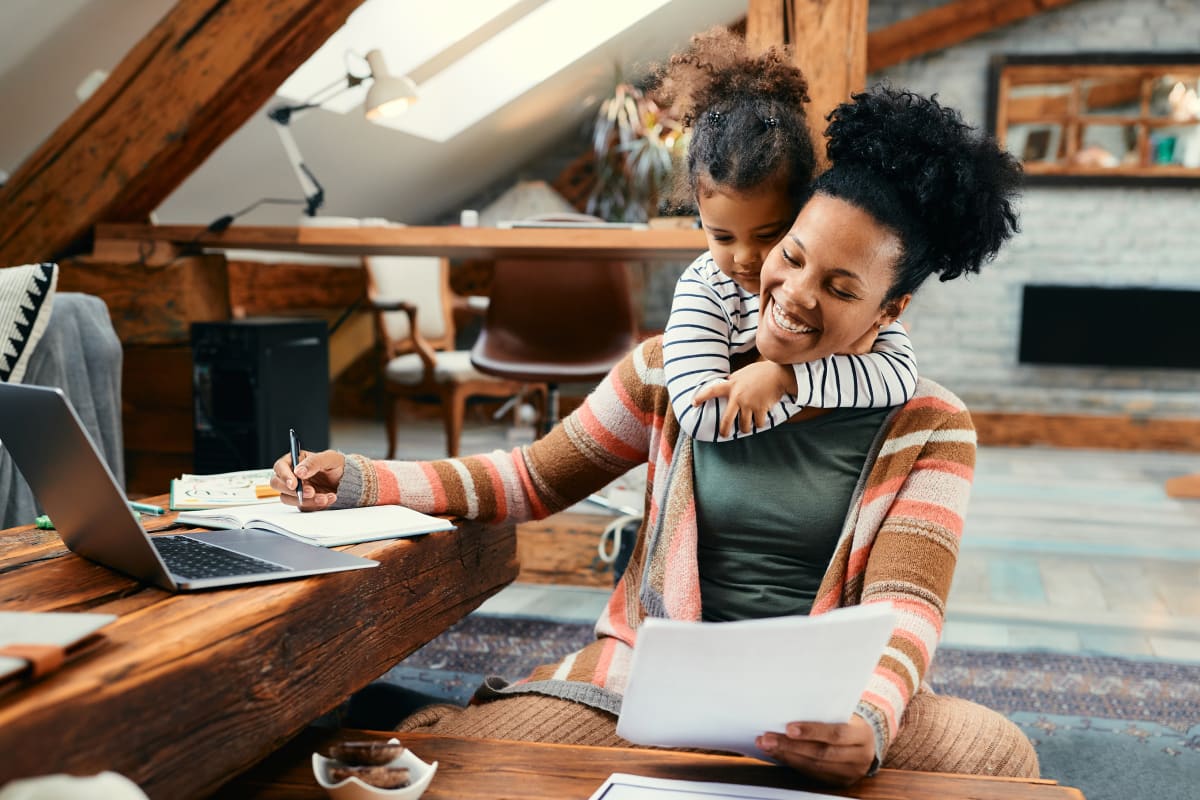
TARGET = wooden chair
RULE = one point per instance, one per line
(556, 321)
(414, 314)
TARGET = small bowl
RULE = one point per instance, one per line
(419, 773)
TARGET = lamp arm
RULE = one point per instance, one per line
(314, 194)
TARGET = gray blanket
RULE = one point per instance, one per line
(79, 352)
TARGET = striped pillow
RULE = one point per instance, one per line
(26, 296)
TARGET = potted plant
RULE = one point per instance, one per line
(634, 145)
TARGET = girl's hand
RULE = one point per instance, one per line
(751, 391)
(838, 754)
(320, 472)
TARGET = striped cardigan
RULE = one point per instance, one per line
(899, 543)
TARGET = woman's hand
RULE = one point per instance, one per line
(838, 754)
(320, 472)
(751, 390)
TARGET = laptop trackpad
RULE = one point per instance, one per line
(271, 546)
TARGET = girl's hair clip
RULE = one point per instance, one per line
(714, 117)
(771, 122)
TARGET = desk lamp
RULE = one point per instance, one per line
(388, 96)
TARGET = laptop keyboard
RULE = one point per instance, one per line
(193, 559)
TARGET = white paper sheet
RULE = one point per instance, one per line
(718, 685)
(621, 786)
(325, 528)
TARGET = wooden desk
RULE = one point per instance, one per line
(191, 689)
(487, 769)
(451, 241)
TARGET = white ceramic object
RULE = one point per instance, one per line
(419, 775)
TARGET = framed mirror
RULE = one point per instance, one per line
(1099, 117)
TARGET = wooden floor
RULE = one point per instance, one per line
(1067, 550)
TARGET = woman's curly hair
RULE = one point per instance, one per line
(917, 168)
(745, 114)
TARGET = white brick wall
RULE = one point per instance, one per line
(966, 331)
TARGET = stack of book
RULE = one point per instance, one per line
(248, 487)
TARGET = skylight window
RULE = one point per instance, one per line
(404, 30)
(549, 38)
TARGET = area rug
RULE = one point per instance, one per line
(1114, 728)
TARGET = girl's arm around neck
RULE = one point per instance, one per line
(886, 376)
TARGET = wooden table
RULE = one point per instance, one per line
(192, 689)
(487, 769)
(140, 242)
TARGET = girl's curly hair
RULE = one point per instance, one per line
(745, 114)
(917, 168)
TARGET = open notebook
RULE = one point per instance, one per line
(325, 528)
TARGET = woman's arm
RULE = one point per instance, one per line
(605, 437)
(915, 551)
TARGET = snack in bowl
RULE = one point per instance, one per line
(366, 752)
(402, 776)
(381, 777)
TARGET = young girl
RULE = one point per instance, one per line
(749, 165)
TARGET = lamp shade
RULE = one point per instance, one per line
(389, 95)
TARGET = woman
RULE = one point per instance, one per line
(911, 191)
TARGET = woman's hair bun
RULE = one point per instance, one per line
(956, 186)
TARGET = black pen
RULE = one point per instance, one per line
(294, 441)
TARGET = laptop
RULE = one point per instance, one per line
(43, 434)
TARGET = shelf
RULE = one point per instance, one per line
(1099, 117)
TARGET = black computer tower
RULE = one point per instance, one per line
(252, 380)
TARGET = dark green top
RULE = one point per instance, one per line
(770, 509)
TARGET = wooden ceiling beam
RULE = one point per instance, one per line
(193, 80)
(947, 25)
(767, 24)
(828, 39)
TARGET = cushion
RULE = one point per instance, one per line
(452, 365)
(26, 297)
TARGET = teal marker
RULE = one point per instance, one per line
(146, 508)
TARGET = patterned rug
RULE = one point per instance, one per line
(1115, 728)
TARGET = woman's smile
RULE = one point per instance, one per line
(788, 322)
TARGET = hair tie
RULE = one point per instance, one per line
(714, 117)
(771, 122)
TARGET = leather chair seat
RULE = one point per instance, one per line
(556, 322)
